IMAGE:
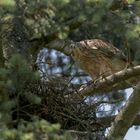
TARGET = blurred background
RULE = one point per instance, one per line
(115, 21)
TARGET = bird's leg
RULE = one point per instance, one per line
(127, 65)
(97, 80)
(103, 77)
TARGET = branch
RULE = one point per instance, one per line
(61, 45)
(106, 121)
(126, 117)
(51, 40)
(113, 82)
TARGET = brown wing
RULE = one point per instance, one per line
(105, 48)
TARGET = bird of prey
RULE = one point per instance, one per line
(98, 58)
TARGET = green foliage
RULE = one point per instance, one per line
(14, 79)
(7, 2)
(58, 19)
(6, 6)
(36, 130)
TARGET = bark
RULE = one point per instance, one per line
(126, 116)
(106, 121)
(120, 80)
(111, 83)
